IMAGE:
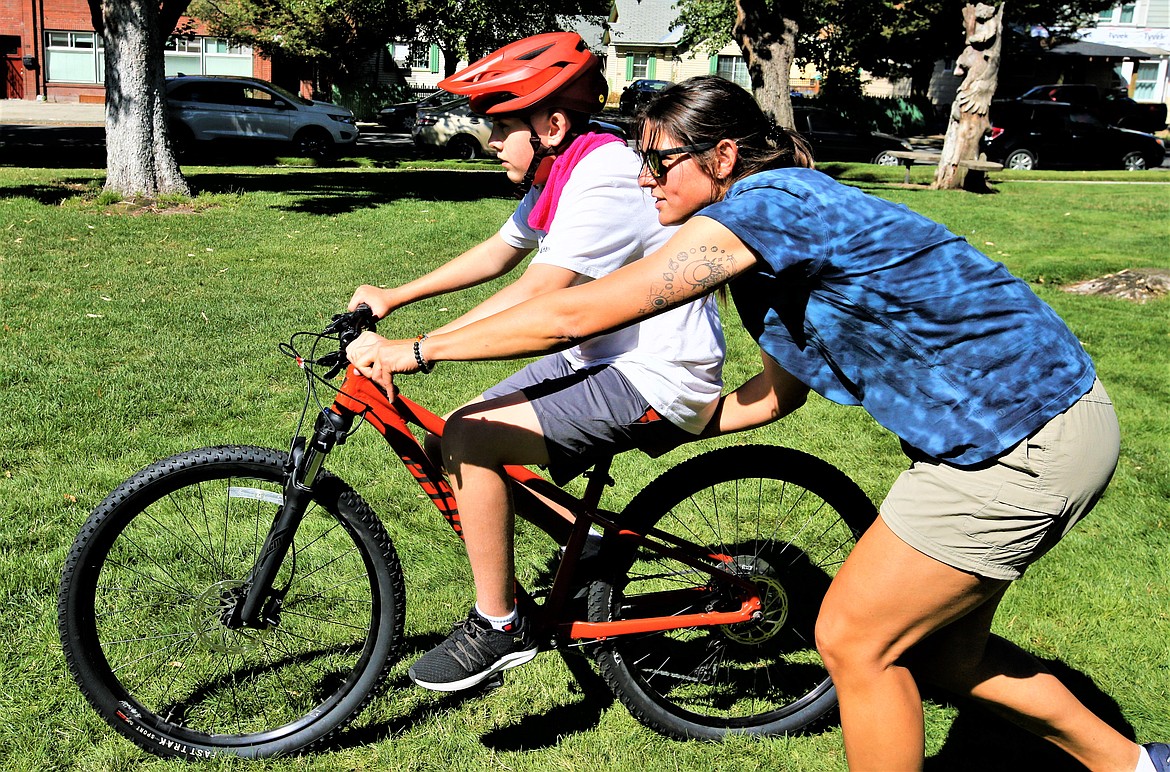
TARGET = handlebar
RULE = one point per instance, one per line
(347, 327)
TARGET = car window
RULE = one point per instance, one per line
(1048, 120)
(827, 122)
(258, 97)
(1082, 118)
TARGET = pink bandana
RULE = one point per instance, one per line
(542, 213)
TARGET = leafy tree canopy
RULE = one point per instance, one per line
(888, 37)
(337, 35)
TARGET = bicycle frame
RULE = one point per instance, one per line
(361, 398)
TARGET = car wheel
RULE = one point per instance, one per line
(464, 148)
(1134, 162)
(1021, 160)
(885, 159)
(313, 143)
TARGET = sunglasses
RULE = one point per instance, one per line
(653, 158)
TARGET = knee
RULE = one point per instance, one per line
(458, 438)
(849, 647)
(832, 639)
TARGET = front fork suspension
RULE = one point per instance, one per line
(260, 602)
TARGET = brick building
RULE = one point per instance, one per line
(51, 53)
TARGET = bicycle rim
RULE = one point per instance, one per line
(158, 568)
(782, 519)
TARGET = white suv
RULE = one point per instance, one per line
(224, 107)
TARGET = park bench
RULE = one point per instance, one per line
(977, 169)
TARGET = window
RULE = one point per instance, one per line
(74, 57)
(205, 56)
(1145, 87)
(420, 56)
(1119, 14)
(734, 69)
(639, 66)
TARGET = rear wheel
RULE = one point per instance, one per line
(463, 147)
(781, 518)
(151, 582)
(182, 140)
(1021, 160)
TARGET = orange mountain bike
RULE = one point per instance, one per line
(244, 601)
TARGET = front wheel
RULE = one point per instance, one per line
(781, 518)
(150, 584)
(1020, 160)
(313, 142)
(885, 158)
(1134, 162)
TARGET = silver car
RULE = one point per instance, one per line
(453, 128)
(221, 107)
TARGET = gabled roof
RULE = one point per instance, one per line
(643, 22)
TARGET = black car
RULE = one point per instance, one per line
(1034, 134)
(640, 93)
(835, 139)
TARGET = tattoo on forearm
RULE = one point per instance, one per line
(697, 270)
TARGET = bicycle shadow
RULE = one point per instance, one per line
(967, 748)
(532, 732)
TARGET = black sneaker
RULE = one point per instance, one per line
(1160, 755)
(473, 653)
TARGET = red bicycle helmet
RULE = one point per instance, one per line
(554, 69)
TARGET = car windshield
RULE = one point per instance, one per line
(284, 93)
(655, 85)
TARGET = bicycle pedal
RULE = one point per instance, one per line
(495, 682)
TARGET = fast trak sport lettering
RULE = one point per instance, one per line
(130, 714)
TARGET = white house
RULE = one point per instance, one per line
(1143, 25)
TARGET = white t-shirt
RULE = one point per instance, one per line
(603, 221)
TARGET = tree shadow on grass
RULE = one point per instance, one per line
(330, 193)
(979, 740)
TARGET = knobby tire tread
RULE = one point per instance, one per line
(172, 475)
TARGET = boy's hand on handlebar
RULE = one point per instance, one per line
(376, 298)
(379, 359)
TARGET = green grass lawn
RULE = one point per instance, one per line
(130, 334)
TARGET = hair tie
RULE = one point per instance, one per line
(775, 133)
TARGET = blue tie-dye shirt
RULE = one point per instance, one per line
(871, 304)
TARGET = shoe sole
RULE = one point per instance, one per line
(504, 663)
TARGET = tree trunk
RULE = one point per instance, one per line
(767, 38)
(139, 157)
(979, 64)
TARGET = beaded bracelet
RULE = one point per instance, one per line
(424, 366)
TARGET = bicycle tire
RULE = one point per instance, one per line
(781, 516)
(145, 587)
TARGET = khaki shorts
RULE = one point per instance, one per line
(997, 518)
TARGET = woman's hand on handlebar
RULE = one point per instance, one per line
(376, 298)
(379, 359)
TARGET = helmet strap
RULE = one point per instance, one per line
(540, 151)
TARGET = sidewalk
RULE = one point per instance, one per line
(29, 112)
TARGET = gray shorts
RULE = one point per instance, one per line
(997, 518)
(588, 414)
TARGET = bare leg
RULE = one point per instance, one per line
(888, 598)
(477, 442)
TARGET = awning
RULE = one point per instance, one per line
(1096, 51)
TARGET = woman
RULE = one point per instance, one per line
(1011, 437)
(650, 386)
